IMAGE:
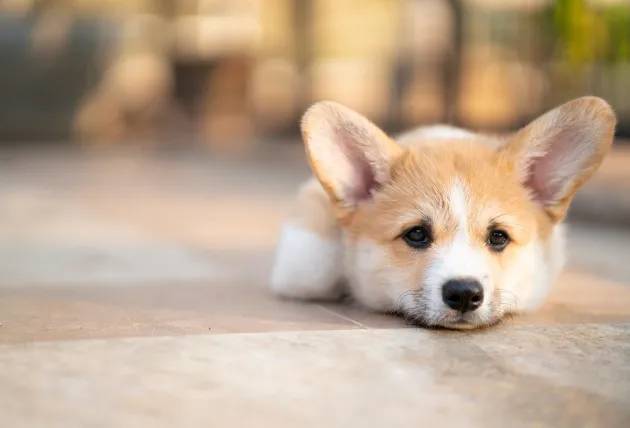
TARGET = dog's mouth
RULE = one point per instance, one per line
(421, 312)
(467, 325)
(454, 321)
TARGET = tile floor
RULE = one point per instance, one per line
(133, 293)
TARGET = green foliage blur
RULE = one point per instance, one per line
(585, 34)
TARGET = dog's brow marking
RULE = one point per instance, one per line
(457, 258)
(459, 210)
(461, 258)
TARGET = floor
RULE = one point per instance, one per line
(133, 292)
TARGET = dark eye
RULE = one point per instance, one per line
(417, 237)
(498, 240)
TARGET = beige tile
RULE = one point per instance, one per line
(39, 314)
(559, 376)
(211, 222)
(98, 264)
(366, 318)
(126, 251)
(582, 298)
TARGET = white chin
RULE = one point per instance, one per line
(458, 322)
(462, 325)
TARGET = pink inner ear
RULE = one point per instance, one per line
(363, 174)
(537, 180)
(549, 173)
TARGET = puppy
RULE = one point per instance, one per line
(447, 227)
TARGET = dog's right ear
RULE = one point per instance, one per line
(350, 156)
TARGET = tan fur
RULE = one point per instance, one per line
(314, 212)
(413, 184)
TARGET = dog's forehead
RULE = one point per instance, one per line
(432, 173)
(452, 183)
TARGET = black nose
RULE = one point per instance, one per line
(463, 295)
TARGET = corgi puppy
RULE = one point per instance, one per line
(447, 227)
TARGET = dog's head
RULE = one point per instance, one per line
(455, 233)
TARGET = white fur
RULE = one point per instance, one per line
(459, 258)
(380, 290)
(436, 132)
(528, 279)
(307, 265)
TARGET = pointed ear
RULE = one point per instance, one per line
(349, 155)
(558, 152)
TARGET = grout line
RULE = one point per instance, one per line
(343, 317)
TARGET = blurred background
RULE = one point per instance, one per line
(233, 74)
(139, 135)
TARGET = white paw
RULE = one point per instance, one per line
(307, 266)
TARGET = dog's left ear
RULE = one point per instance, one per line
(558, 152)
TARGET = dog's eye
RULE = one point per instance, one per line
(498, 240)
(417, 237)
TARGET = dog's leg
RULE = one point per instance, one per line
(309, 258)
